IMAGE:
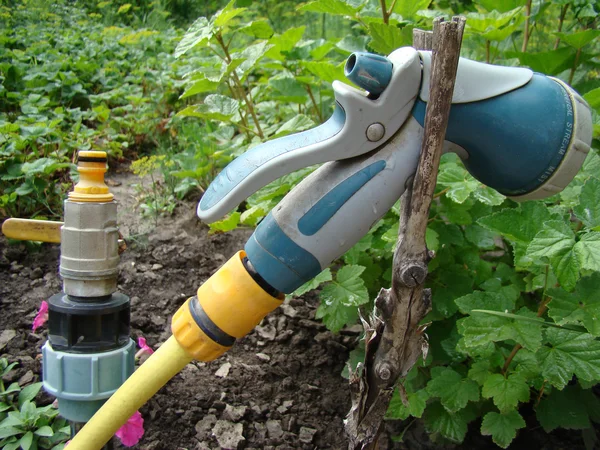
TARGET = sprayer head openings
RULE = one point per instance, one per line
(369, 72)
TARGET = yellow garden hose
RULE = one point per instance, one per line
(159, 368)
(227, 306)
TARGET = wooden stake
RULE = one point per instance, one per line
(394, 337)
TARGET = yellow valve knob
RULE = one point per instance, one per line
(91, 187)
(32, 230)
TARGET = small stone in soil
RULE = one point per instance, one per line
(6, 336)
(267, 332)
(234, 413)
(263, 357)
(306, 434)
(287, 404)
(204, 426)
(274, 429)
(223, 371)
(228, 434)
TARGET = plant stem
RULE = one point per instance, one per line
(537, 402)
(541, 310)
(526, 31)
(240, 87)
(384, 12)
(561, 19)
(575, 64)
(312, 99)
(487, 51)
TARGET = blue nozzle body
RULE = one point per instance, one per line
(368, 71)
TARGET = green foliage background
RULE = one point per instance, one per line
(127, 78)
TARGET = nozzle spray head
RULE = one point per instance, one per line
(369, 72)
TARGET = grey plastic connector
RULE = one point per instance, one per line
(89, 249)
(83, 381)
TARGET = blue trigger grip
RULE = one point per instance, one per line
(249, 172)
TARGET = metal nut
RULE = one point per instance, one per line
(375, 132)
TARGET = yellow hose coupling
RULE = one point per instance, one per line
(227, 307)
(91, 187)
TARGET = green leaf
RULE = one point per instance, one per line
(580, 306)
(480, 329)
(554, 239)
(227, 224)
(215, 107)
(224, 16)
(417, 401)
(480, 237)
(297, 123)
(284, 43)
(44, 431)
(452, 426)
(480, 372)
(496, 301)
(340, 298)
(26, 440)
(588, 251)
(323, 277)
(8, 431)
(506, 392)
(252, 215)
(28, 393)
(588, 210)
(569, 408)
(200, 86)
(481, 23)
(579, 39)
(325, 71)
(408, 8)
(570, 353)
(334, 7)
(488, 196)
(260, 29)
(551, 62)
(387, 38)
(198, 34)
(519, 224)
(457, 180)
(250, 56)
(593, 98)
(431, 239)
(502, 427)
(453, 390)
(501, 5)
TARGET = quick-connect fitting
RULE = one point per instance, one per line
(89, 353)
(227, 307)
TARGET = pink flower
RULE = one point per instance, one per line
(41, 317)
(133, 430)
(144, 348)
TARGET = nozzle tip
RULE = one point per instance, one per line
(369, 71)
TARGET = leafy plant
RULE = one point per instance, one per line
(22, 423)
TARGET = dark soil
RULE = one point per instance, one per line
(283, 389)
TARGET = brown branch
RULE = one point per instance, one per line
(561, 20)
(526, 31)
(384, 12)
(312, 99)
(395, 340)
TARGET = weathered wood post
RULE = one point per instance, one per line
(394, 337)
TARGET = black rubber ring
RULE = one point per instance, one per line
(208, 326)
(91, 159)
